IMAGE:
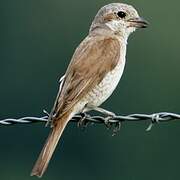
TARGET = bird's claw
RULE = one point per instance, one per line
(82, 123)
(107, 120)
(117, 128)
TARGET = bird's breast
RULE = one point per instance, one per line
(105, 88)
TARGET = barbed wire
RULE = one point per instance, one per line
(84, 119)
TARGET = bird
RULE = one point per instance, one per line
(93, 73)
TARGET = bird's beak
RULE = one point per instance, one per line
(138, 22)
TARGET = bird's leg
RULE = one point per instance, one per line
(82, 123)
(110, 115)
(105, 112)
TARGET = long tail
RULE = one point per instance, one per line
(49, 147)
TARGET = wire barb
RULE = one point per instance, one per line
(116, 121)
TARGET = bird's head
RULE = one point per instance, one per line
(120, 18)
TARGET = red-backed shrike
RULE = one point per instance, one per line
(93, 73)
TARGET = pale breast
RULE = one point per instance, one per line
(105, 88)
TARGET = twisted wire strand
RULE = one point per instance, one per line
(116, 120)
(85, 119)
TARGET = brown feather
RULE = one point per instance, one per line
(109, 17)
(92, 60)
(49, 147)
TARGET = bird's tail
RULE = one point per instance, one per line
(50, 145)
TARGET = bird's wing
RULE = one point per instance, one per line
(92, 60)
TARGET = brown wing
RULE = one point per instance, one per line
(92, 60)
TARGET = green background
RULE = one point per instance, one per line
(37, 40)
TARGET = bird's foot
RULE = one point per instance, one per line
(115, 126)
(82, 122)
(107, 120)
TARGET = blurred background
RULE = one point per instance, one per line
(38, 39)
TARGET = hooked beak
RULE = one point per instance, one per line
(138, 22)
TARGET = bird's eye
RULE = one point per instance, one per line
(121, 14)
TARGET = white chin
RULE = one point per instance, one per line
(131, 30)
